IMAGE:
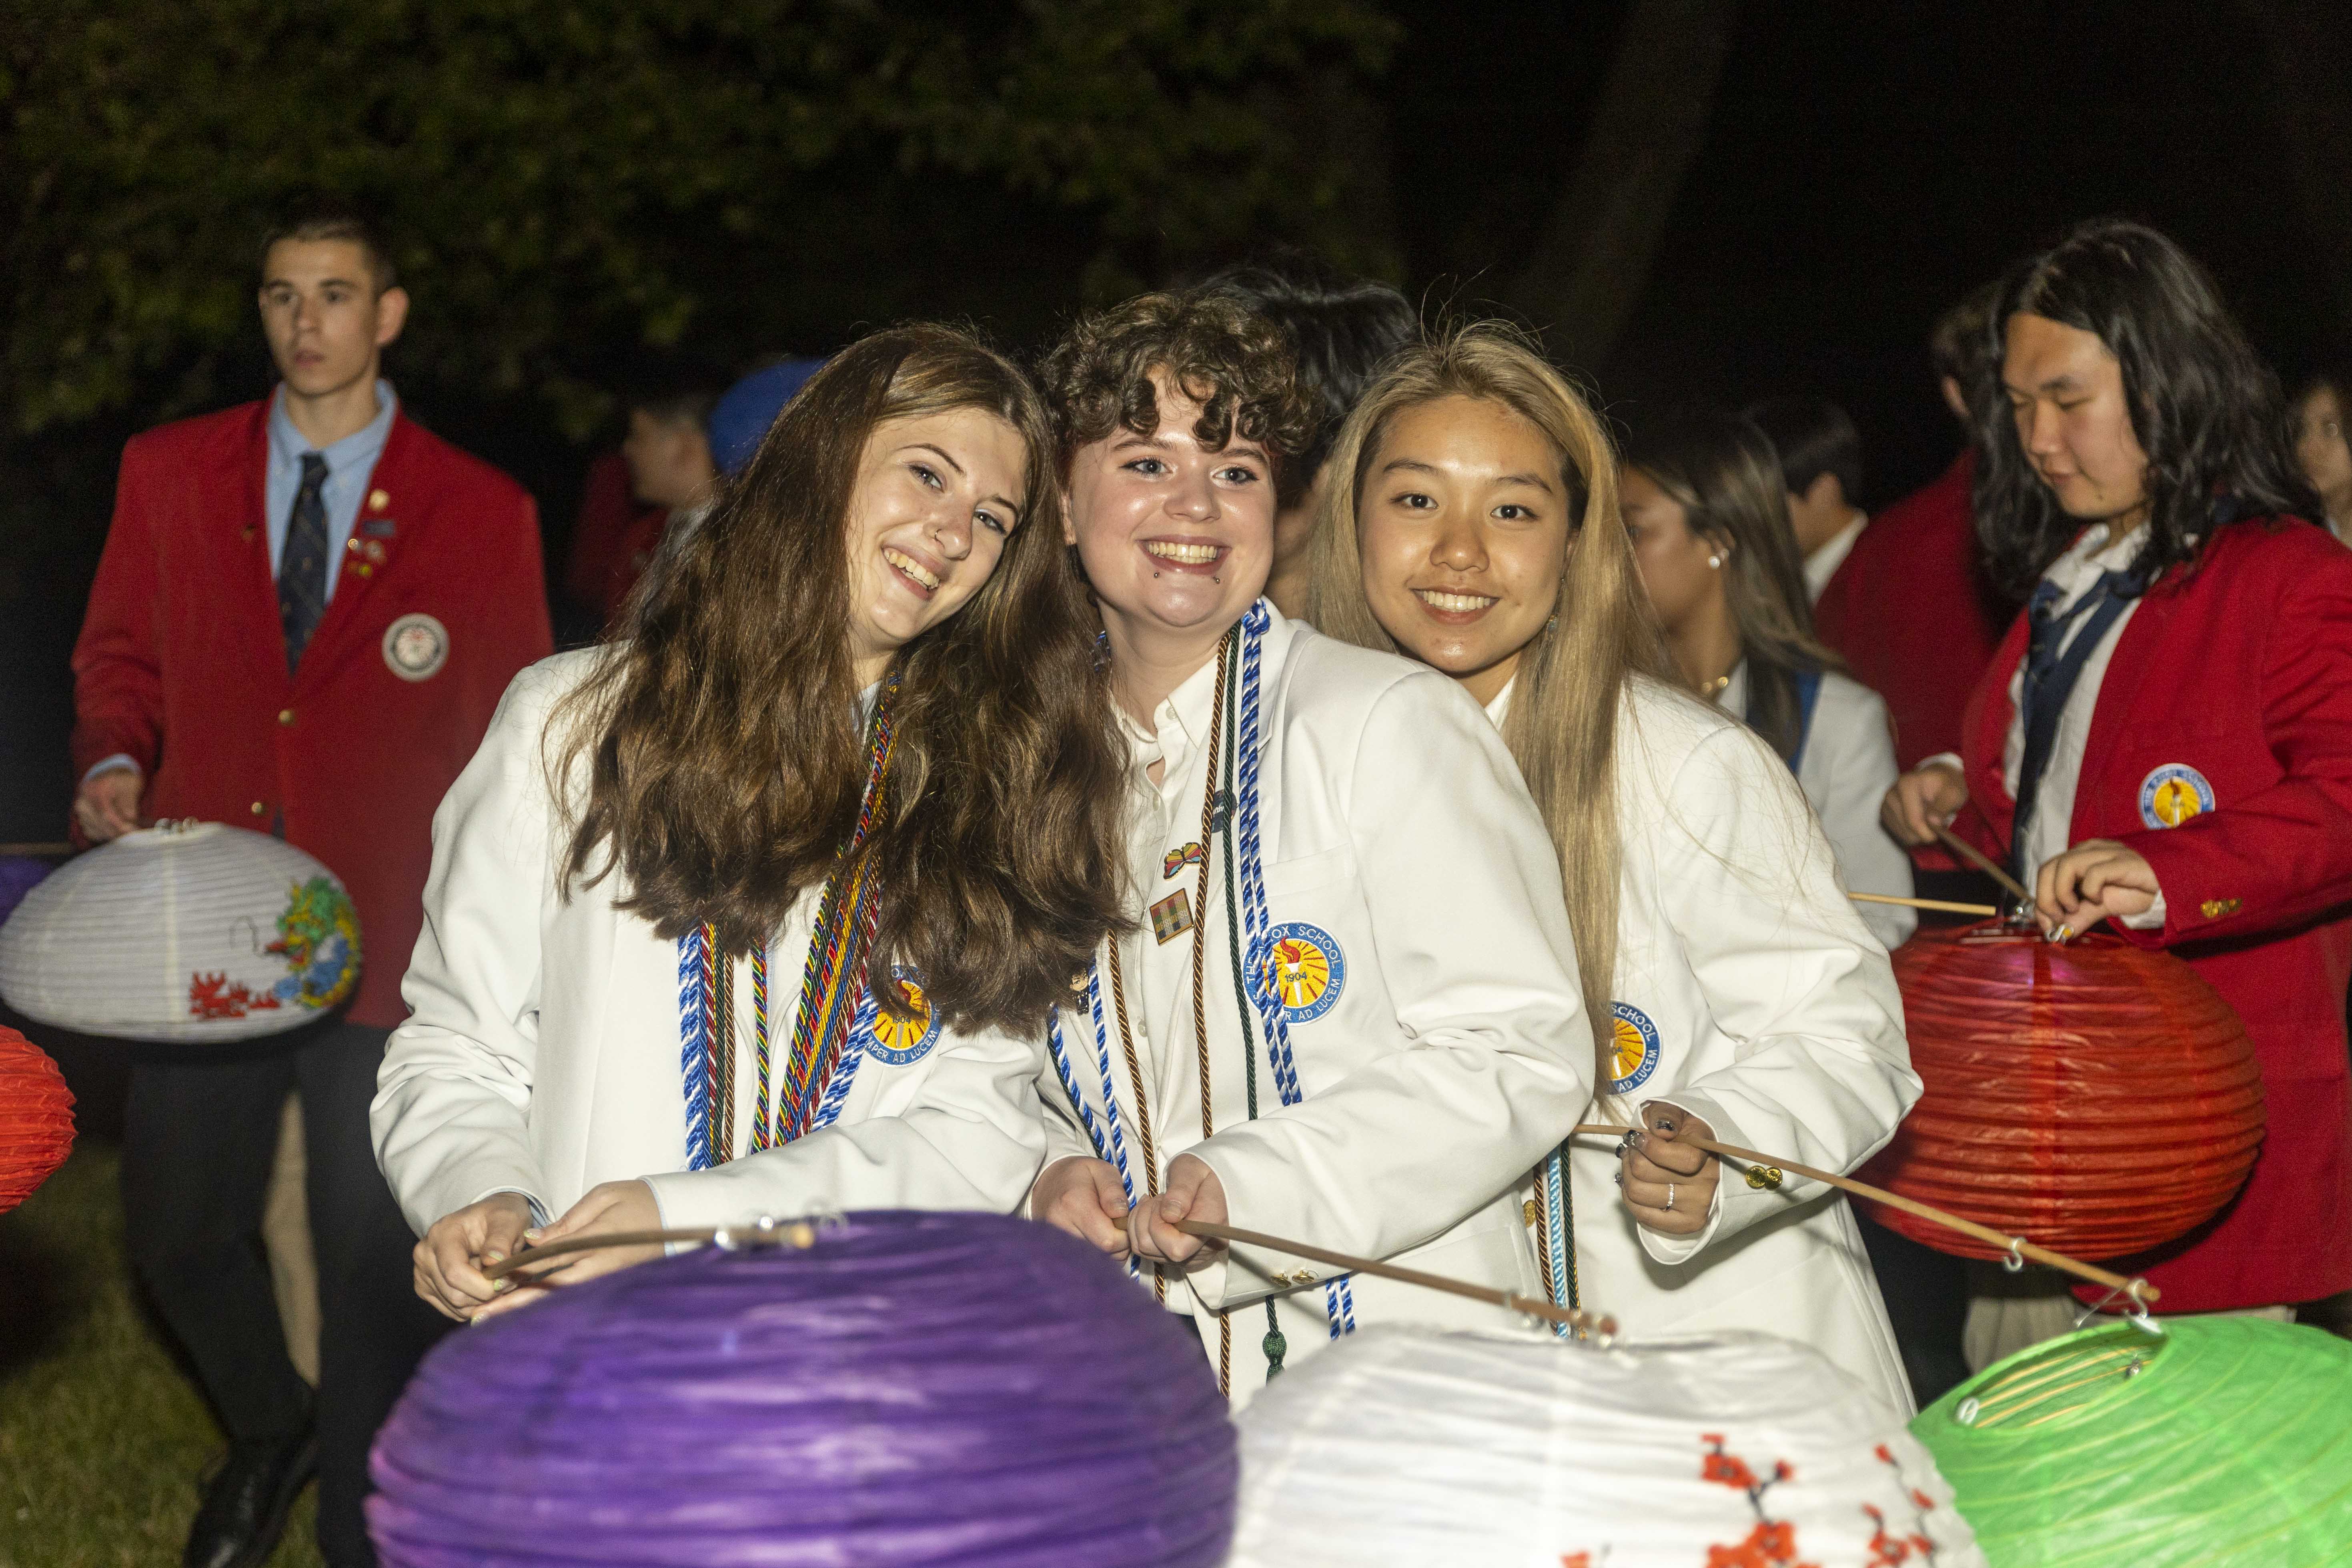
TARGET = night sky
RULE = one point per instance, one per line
(1866, 164)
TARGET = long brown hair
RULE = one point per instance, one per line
(1571, 676)
(721, 745)
(1723, 472)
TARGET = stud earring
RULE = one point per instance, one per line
(1713, 560)
(1552, 623)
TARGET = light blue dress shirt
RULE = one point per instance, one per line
(350, 461)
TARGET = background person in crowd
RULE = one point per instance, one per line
(1472, 524)
(1342, 330)
(1913, 610)
(671, 474)
(608, 514)
(2323, 411)
(1704, 503)
(2163, 742)
(305, 612)
(1820, 465)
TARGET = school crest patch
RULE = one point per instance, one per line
(1634, 1048)
(1306, 969)
(416, 646)
(902, 1042)
(2173, 793)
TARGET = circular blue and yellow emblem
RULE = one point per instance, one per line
(1634, 1051)
(2173, 793)
(1307, 970)
(902, 1042)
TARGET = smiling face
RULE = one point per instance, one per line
(937, 497)
(326, 322)
(1670, 555)
(1462, 527)
(2066, 395)
(1176, 537)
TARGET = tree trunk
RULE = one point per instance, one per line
(1593, 259)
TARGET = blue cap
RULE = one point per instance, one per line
(742, 417)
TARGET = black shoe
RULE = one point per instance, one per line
(244, 1505)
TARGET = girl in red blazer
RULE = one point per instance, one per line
(2163, 740)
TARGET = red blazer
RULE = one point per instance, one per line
(1912, 611)
(182, 663)
(605, 535)
(2240, 670)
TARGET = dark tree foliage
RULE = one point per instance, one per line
(572, 181)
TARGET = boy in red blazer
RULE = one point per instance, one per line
(305, 610)
(2164, 741)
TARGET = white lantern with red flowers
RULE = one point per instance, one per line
(186, 931)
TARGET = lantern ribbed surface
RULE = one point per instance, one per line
(187, 931)
(2224, 1443)
(912, 1389)
(36, 1125)
(1412, 1447)
(2094, 1096)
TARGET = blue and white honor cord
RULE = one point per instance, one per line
(1555, 1186)
(695, 1051)
(1339, 1300)
(1258, 926)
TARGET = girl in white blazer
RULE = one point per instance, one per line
(857, 732)
(1709, 519)
(1472, 522)
(1391, 1032)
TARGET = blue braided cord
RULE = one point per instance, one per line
(1117, 1150)
(1556, 1230)
(1339, 1299)
(693, 1054)
(1055, 1048)
(1109, 1089)
(852, 1051)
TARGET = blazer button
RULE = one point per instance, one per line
(1762, 1177)
(2214, 909)
(259, 809)
(1528, 1213)
(286, 716)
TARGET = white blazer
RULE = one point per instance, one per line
(1439, 1041)
(1746, 992)
(1846, 769)
(542, 1053)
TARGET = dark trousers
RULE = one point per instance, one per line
(199, 1138)
(1927, 1296)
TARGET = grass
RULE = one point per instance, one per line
(102, 1436)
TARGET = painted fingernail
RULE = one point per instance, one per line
(532, 1236)
(494, 1257)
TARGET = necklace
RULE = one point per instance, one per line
(835, 1019)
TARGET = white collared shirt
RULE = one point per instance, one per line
(1822, 564)
(2050, 833)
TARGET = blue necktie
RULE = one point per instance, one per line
(302, 565)
(2053, 666)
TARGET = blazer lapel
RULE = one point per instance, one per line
(252, 585)
(2118, 695)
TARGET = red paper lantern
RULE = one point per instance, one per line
(2096, 1098)
(36, 1125)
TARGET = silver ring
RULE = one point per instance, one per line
(1670, 1195)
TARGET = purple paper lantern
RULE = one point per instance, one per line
(912, 1389)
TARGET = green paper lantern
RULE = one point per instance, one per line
(2221, 1441)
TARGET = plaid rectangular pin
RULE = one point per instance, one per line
(1171, 917)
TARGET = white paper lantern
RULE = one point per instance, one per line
(186, 931)
(1415, 1448)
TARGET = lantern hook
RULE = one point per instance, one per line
(2136, 1314)
(2015, 1262)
